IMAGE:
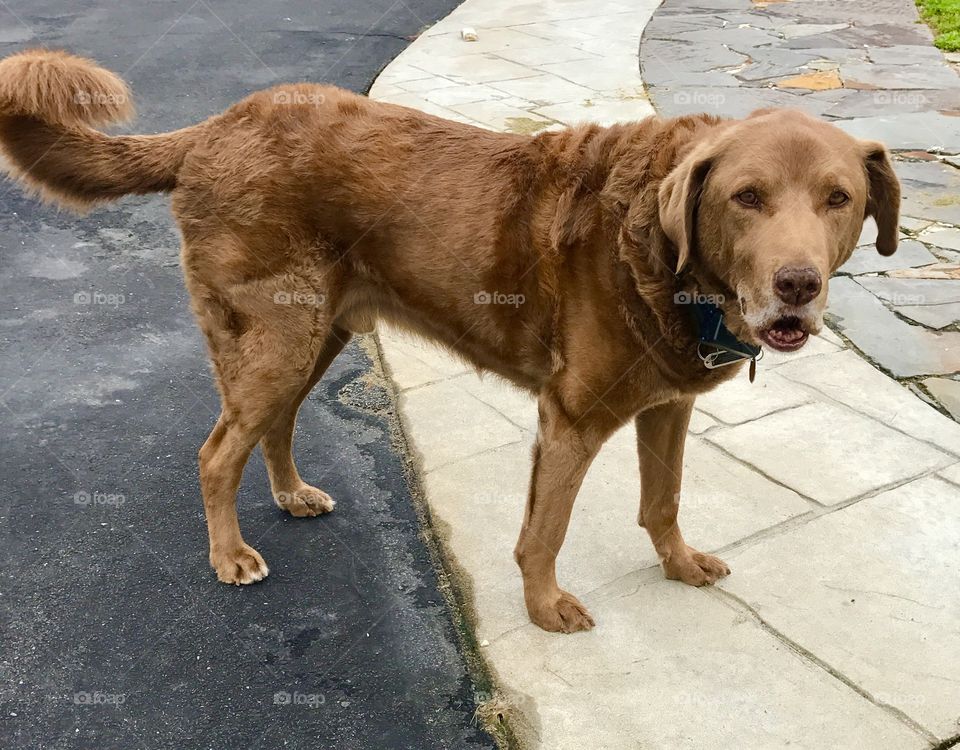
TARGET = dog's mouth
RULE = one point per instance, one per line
(787, 334)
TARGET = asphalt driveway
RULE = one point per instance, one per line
(113, 630)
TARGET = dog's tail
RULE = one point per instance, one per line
(49, 103)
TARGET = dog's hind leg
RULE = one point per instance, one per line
(265, 338)
(290, 491)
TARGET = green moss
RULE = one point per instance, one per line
(944, 18)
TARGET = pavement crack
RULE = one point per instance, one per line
(879, 593)
(738, 603)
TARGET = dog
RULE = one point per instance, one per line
(308, 213)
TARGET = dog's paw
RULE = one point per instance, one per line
(305, 502)
(240, 566)
(695, 568)
(561, 613)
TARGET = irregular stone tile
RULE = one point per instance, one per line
(885, 35)
(846, 378)
(906, 54)
(773, 63)
(866, 259)
(918, 130)
(913, 291)
(899, 347)
(930, 190)
(833, 40)
(913, 224)
(946, 392)
(932, 316)
(688, 671)
(899, 76)
(864, 589)
(879, 102)
(673, 101)
(824, 79)
(793, 30)
(868, 234)
(684, 57)
(440, 440)
(731, 36)
(845, 454)
(738, 400)
(948, 237)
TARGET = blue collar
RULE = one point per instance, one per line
(717, 346)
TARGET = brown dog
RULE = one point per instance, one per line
(308, 212)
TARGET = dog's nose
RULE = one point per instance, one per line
(797, 286)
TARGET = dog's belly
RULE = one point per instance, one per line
(483, 340)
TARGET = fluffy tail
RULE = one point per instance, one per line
(49, 101)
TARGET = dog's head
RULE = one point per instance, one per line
(765, 209)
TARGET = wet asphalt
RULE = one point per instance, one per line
(113, 630)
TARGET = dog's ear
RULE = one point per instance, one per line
(883, 196)
(679, 196)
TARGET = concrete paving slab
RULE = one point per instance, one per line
(738, 400)
(855, 588)
(577, 691)
(724, 501)
(439, 440)
(847, 379)
(688, 672)
(863, 455)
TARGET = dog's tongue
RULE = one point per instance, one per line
(787, 335)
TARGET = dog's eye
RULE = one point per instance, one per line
(838, 198)
(748, 198)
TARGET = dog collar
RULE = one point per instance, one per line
(716, 345)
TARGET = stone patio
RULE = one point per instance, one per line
(876, 74)
(831, 489)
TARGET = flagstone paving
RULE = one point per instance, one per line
(832, 489)
(876, 74)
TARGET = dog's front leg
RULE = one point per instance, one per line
(661, 434)
(562, 454)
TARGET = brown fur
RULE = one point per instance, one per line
(308, 212)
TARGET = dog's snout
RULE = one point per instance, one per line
(797, 286)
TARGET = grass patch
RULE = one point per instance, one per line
(944, 18)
